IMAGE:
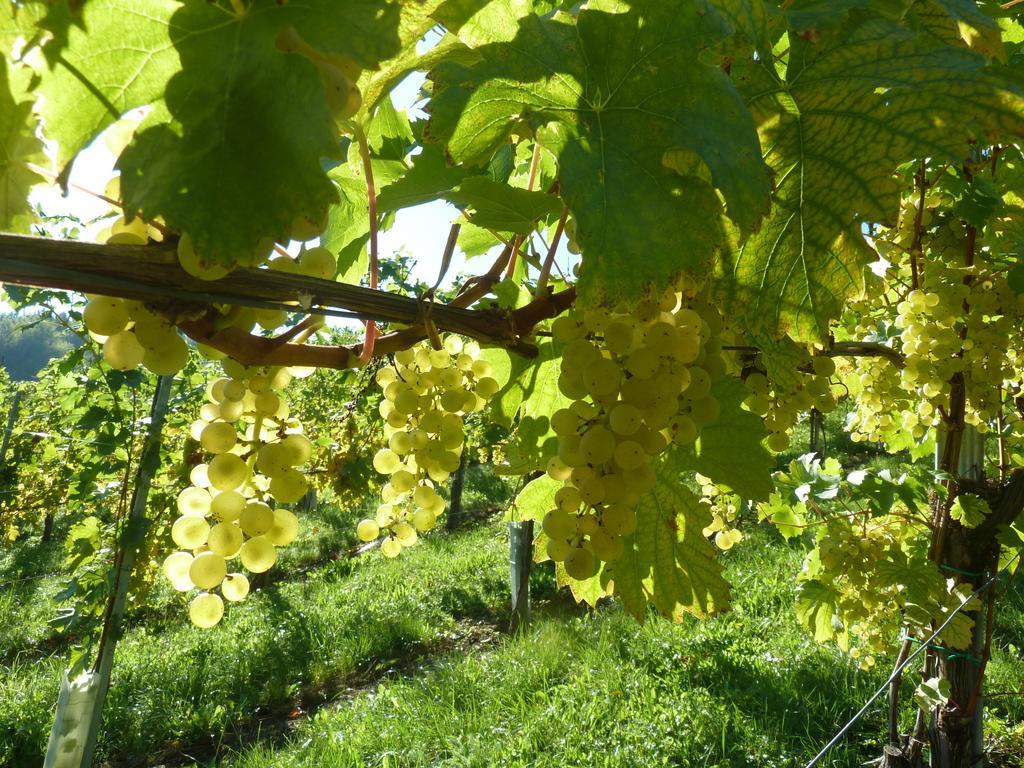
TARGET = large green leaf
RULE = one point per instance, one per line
(848, 111)
(501, 207)
(18, 148)
(231, 150)
(644, 131)
(668, 561)
(729, 450)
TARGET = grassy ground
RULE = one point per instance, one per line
(371, 662)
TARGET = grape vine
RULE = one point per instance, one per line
(767, 210)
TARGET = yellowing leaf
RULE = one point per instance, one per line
(850, 109)
(668, 562)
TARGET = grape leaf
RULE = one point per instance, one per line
(588, 591)
(970, 510)
(231, 149)
(415, 21)
(644, 131)
(892, 97)
(932, 693)
(429, 178)
(535, 500)
(390, 135)
(816, 607)
(18, 148)
(532, 395)
(476, 241)
(348, 224)
(752, 20)
(501, 207)
(787, 518)
(668, 562)
(729, 450)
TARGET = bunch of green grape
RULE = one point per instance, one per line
(255, 452)
(639, 377)
(427, 392)
(725, 511)
(959, 324)
(808, 385)
(133, 335)
(870, 605)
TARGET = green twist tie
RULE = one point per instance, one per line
(962, 572)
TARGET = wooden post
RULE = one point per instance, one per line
(80, 704)
(892, 757)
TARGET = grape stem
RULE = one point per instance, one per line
(371, 197)
(545, 270)
(518, 240)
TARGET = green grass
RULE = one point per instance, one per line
(747, 688)
(183, 683)
(390, 658)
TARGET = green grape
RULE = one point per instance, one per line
(122, 351)
(558, 549)
(167, 360)
(289, 486)
(606, 547)
(285, 528)
(391, 547)
(367, 530)
(558, 469)
(778, 441)
(105, 316)
(580, 563)
(225, 540)
(630, 455)
(258, 554)
(568, 498)
(194, 501)
(267, 403)
(206, 610)
(227, 471)
(597, 445)
(256, 519)
(618, 520)
(207, 570)
(297, 448)
(625, 419)
(218, 437)
(227, 506)
(196, 266)
(386, 461)
(190, 532)
(559, 524)
(273, 459)
(176, 567)
(318, 262)
(591, 490)
(198, 477)
(235, 587)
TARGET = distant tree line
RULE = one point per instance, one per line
(29, 342)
